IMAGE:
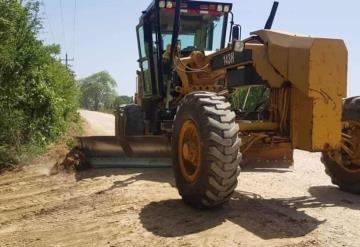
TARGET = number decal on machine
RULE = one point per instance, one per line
(229, 59)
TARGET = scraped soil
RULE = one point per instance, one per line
(141, 207)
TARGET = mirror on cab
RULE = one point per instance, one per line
(236, 33)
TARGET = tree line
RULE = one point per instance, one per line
(98, 93)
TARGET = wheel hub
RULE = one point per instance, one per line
(189, 151)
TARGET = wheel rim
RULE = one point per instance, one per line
(349, 155)
(189, 150)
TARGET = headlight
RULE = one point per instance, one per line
(226, 8)
(239, 46)
(169, 4)
(220, 8)
(162, 4)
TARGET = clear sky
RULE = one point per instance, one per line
(103, 37)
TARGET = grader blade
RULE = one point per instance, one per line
(274, 155)
(132, 152)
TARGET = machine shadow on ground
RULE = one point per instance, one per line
(323, 197)
(266, 218)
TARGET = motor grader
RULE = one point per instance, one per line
(192, 61)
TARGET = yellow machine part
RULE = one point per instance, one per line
(317, 71)
(202, 79)
(257, 126)
(269, 155)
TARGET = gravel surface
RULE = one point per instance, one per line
(141, 207)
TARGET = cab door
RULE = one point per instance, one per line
(144, 62)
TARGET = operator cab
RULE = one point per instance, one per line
(202, 26)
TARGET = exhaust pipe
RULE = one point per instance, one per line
(272, 15)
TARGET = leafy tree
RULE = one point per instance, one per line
(38, 94)
(98, 91)
(122, 100)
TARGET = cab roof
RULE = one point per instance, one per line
(187, 4)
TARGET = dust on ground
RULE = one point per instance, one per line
(141, 207)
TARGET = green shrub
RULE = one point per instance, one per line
(38, 94)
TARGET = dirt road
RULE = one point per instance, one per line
(99, 123)
(132, 207)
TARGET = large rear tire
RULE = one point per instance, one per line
(206, 148)
(347, 180)
(134, 116)
(347, 174)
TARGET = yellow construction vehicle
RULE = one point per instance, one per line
(190, 67)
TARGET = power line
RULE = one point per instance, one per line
(62, 24)
(74, 28)
(66, 59)
(48, 21)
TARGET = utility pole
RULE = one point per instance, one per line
(67, 60)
